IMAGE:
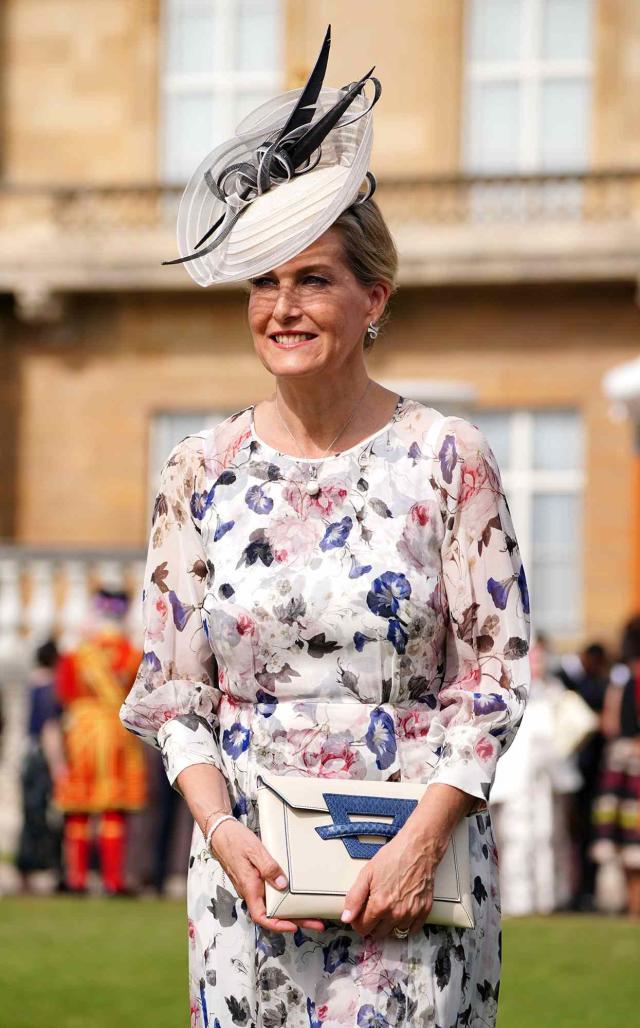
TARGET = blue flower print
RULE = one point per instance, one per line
(240, 806)
(203, 1004)
(336, 533)
(266, 702)
(181, 612)
(368, 1018)
(448, 458)
(271, 944)
(200, 503)
(359, 640)
(314, 1021)
(336, 953)
(222, 529)
(358, 569)
(235, 740)
(397, 635)
(151, 662)
(386, 591)
(227, 477)
(499, 590)
(414, 451)
(381, 738)
(524, 589)
(257, 500)
(486, 703)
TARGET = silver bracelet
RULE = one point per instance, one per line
(218, 821)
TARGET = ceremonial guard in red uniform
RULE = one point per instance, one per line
(104, 774)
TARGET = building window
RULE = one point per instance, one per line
(541, 457)
(528, 85)
(221, 58)
(167, 429)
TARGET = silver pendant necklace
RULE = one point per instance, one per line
(312, 485)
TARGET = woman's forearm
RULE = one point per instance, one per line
(433, 821)
(204, 788)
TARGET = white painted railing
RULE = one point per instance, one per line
(45, 592)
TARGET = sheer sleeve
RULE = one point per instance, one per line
(173, 702)
(486, 666)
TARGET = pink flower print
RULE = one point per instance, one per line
(480, 481)
(372, 972)
(157, 620)
(414, 724)
(245, 625)
(192, 931)
(420, 541)
(337, 760)
(320, 506)
(292, 538)
(166, 713)
(223, 448)
(485, 749)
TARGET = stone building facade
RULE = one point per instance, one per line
(509, 173)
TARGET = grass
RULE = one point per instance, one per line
(74, 963)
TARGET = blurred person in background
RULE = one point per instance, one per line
(530, 799)
(104, 773)
(616, 811)
(39, 843)
(587, 674)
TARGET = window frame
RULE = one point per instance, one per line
(522, 482)
(225, 84)
(531, 72)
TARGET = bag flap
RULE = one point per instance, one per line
(304, 792)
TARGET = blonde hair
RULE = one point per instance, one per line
(369, 249)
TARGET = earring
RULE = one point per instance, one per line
(372, 330)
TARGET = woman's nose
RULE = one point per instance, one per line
(286, 303)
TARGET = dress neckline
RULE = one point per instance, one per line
(400, 402)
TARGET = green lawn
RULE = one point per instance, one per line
(73, 963)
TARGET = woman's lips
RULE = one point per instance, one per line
(293, 342)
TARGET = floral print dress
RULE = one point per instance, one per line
(376, 630)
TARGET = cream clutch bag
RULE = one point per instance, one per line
(321, 829)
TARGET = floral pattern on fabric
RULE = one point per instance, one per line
(377, 630)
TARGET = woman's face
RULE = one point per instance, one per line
(310, 314)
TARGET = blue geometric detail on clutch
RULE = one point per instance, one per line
(341, 806)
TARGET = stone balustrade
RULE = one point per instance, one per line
(60, 239)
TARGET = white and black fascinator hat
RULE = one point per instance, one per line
(294, 165)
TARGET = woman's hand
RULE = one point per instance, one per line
(248, 863)
(239, 850)
(395, 887)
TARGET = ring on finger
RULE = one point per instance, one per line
(401, 933)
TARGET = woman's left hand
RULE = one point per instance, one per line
(395, 887)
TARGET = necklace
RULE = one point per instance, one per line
(312, 485)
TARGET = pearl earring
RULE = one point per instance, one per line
(372, 330)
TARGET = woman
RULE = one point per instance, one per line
(616, 811)
(334, 589)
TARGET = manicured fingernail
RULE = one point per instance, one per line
(345, 915)
(281, 881)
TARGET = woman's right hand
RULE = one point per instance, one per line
(248, 863)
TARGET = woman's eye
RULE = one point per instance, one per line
(316, 280)
(261, 283)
